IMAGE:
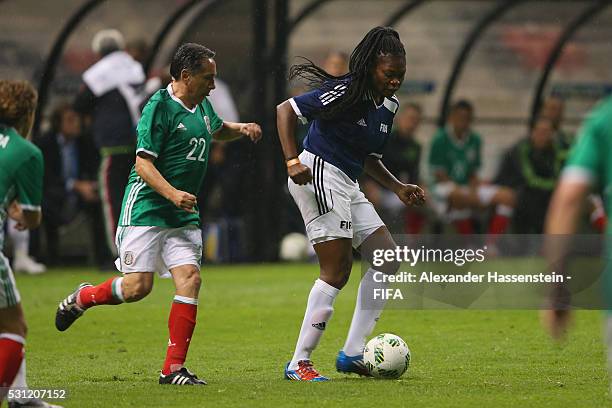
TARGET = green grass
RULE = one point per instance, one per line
(248, 321)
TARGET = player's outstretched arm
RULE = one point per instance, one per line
(232, 131)
(286, 120)
(410, 194)
(146, 169)
(561, 221)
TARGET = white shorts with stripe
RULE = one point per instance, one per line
(9, 295)
(333, 206)
(157, 249)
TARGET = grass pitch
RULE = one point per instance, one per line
(248, 321)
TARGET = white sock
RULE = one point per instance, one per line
(20, 239)
(318, 312)
(20, 378)
(367, 312)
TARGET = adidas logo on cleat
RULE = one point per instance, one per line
(181, 377)
(320, 326)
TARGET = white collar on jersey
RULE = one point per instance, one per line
(171, 92)
(387, 103)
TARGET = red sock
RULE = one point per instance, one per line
(599, 223)
(103, 294)
(413, 222)
(11, 355)
(464, 226)
(498, 224)
(181, 323)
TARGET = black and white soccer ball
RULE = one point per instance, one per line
(386, 356)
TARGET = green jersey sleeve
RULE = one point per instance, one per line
(586, 155)
(152, 128)
(29, 182)
(214, 121)
(437, 152)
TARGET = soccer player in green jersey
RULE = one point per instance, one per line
(589, 167)
(21, 182)
(455, 159)
(159, 227)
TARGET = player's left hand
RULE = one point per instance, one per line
(411, 194)
(252, 131)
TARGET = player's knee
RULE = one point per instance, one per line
(190, 279)
(339, 275)
(389, 268)
(16, 326)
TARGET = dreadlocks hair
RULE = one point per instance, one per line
(17, 103)
(354, 85)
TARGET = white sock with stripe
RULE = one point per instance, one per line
(318, 312)
(20, 378)
(367, 313)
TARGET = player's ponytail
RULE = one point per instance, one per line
(378, 41)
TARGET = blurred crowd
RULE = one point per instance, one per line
(515, 200)
(89, 151)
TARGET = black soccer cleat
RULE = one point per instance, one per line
(181, 377)
(68, 311)
(31, 403)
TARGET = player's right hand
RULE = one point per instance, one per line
(184, 201)
(300, 174)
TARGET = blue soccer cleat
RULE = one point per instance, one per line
(351, 365)
(304, 372)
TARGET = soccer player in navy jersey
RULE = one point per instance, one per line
(351, 117)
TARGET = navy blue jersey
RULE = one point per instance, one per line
(353, 135)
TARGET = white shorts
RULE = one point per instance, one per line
(333, 206)
(156, 249)
(9, 295)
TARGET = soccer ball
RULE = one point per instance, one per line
(294, 247)
(386, 356)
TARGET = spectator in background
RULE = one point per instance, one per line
(402, 157)
(22, 260)
(70, 186)
(458, 192)
(336, 63)
(553, 108)
(531, 168)
(111, 94)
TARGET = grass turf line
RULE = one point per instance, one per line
(248, 321)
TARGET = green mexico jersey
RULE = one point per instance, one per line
(591, 156)
(179, 138)
(21, 174)
(460, 159)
